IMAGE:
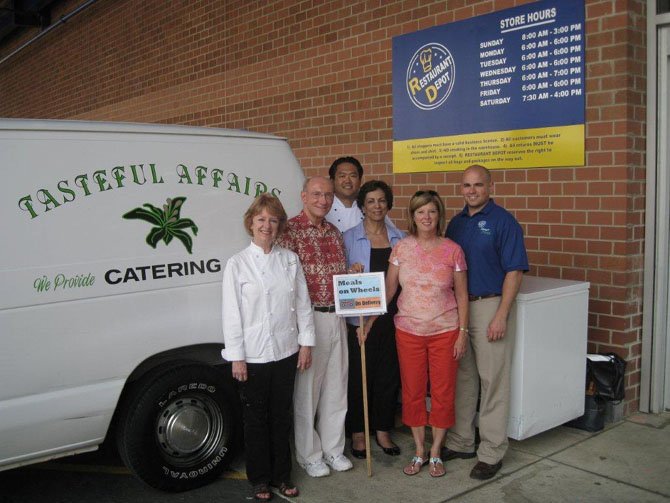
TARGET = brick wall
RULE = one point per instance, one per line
(319, 73)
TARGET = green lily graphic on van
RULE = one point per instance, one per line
(167, 223)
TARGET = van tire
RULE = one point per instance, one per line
(178, 428)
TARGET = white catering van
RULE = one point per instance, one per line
(115, 238)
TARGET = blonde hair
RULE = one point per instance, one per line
(267, 202)
(422, 198)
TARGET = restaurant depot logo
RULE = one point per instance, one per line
(430, 76)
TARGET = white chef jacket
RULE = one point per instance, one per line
(266, 310)
(342, 217)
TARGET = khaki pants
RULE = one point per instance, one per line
(486, 365)
(320, 396)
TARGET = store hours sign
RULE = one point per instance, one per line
(506, 90)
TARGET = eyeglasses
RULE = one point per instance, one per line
(318, 195)
(422, 192)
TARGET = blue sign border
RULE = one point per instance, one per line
(461, 112)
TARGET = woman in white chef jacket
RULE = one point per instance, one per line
(268, 332)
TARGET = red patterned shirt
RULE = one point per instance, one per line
(321, 252)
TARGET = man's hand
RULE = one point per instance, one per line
(510, 288)
(304, 357)
(497, 328)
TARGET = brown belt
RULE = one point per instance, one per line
(473, 298)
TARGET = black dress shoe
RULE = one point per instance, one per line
(485, 471)
(358, 453)
(391, 451)
(446, 454)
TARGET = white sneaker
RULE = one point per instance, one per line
(316, 469)
(339, 463)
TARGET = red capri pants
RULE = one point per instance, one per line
(421, 356)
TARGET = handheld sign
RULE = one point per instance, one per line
(360, 294)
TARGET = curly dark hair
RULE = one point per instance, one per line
(371, 186)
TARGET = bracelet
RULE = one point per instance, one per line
(464, 329)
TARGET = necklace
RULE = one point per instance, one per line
(379, 233)
(426, 246)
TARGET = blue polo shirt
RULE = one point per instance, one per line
(492, 241)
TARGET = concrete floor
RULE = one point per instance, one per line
(629, 461)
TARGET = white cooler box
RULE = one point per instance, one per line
(549, 320)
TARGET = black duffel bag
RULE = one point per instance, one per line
(607, 376)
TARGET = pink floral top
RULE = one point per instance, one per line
(427, 303)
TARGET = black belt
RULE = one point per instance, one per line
(473, 298)
(324, 309)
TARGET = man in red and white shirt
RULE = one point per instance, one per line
(321, 390)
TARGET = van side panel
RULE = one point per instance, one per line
(116, 239)
(67, 419)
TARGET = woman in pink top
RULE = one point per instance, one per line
(431, 324)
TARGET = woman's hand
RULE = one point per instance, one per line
(362, 334)
(304, 357)
(356, 268)
(461, 345)
(240, 370)
(363, 331)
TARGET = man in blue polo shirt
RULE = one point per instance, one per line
(492, 241)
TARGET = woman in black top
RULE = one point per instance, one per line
(368, 248)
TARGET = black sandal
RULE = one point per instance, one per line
(262, 492)
(287, 489)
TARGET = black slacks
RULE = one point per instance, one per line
(383, 376)
(267, 401)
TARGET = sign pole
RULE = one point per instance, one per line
(364, 375)
(360, 295)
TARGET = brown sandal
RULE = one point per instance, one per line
(437, 468)
(414, 466)
(287, 489)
